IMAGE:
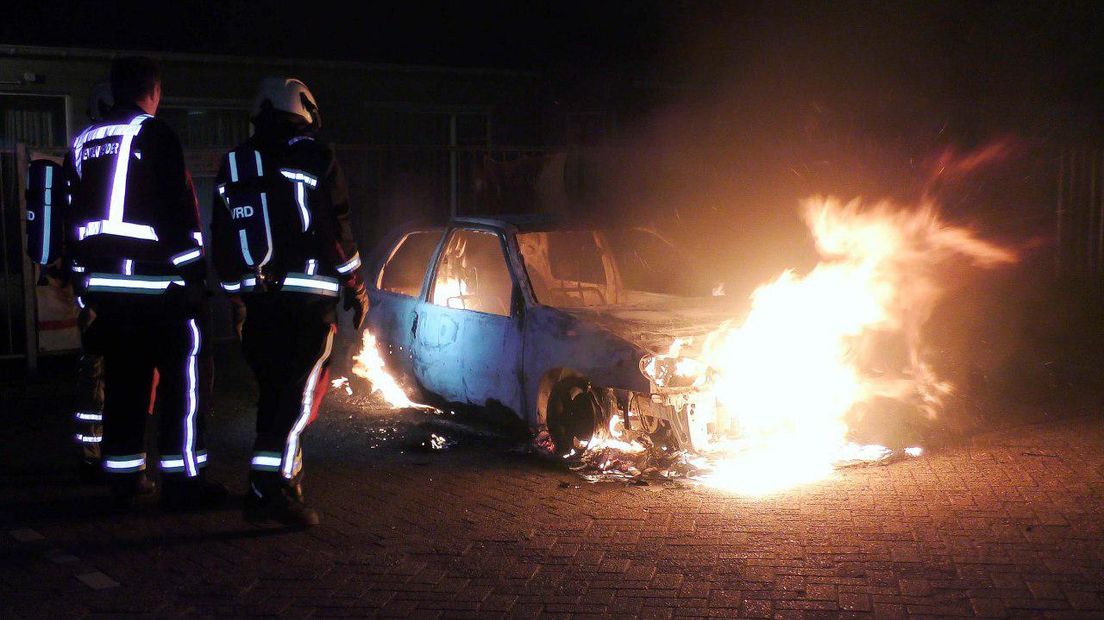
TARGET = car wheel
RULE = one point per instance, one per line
(573, 413)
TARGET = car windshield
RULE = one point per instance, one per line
(648, 262)
(566, 268)
(584, 268)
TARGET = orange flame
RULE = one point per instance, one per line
(368, 364)
(791, 372)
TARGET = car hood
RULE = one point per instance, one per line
(653, 321)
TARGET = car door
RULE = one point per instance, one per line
(468, 347)
(397, 292)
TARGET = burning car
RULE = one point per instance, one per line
(531, 315)
(544, 319)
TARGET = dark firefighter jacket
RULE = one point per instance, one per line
(281, 214)
(133, 224)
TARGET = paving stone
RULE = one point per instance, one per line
(977, 529)
(1087, 601)
(97, 580)
(988, 607)
(25, 535)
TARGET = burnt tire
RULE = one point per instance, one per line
(573, 413)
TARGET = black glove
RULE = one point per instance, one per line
(356, 299)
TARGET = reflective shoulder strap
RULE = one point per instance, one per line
(122, 166)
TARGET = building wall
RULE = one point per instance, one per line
(410, 136)
(422, 111)
(350, 95)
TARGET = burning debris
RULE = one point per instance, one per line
(438, 442)
(628, 456)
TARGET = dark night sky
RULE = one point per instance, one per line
(986, 59)
(947, 53)
(646, 37)
(521, 35)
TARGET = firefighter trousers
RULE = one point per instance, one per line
(88, 412)
(287, 339)
(137, 335)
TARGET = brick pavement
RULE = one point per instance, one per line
(1008, 524)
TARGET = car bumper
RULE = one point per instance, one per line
(691, 416)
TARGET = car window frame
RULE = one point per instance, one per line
(613, 284)
(430, 264)
(431, 275)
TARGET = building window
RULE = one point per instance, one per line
(200, 127)
(393, 126)
(34, 120)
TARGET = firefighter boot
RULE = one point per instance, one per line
(181, 493)
(273, 498)
(127, 489)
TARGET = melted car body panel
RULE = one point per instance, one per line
(492, 362)
(437, 353)
(556, 340)
(391, 319)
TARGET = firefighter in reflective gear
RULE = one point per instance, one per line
(134, 242)
(90, 390)
(47, 198)
(283, 245)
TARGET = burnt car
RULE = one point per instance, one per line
(531, 315)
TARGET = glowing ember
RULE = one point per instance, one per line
(342, 383)
(368, 364)
(438, 442)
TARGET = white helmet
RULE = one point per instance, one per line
(290, 95)
(100, 101)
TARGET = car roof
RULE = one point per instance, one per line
(530, 222)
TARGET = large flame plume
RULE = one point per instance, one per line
(812, 349)
(813, 352)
